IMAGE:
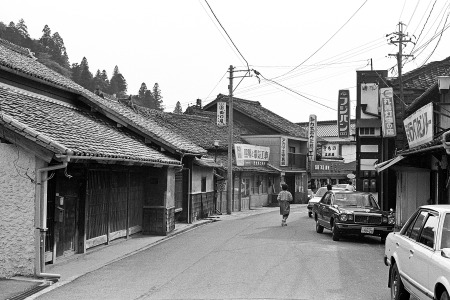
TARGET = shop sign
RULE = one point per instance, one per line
(326, 167)
(369, 99)
(283, 151)
(387, 112)
(251, 155)
(221, 113)
(419, 126)
(330, 150)
(344, 114)
(312, 137)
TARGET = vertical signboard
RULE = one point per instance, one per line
(312, 137)
(283, 152)
(344, 114)
(221, 113)
(387, 112)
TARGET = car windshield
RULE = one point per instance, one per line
(355, 200)
(321, 191)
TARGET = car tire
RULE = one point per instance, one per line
(335, 232)
(398, 291)
(444, 296)
(309, 214)
(319, 228)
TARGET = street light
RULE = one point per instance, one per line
(443, 84)
(216, 145)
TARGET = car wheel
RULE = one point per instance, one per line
(398, 291)
(444, 296)
(319, 228)
(335, 232)
(309, 214)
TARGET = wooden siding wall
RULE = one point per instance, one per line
(202, 205)
(114, 205)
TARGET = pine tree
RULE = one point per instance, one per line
(46, 38)
(158, 97)
(58, 50)
(86, 78)
(101, 81)
(118, 83)
(142, 91)
(149, 101)
(178, 109)
(22, 28)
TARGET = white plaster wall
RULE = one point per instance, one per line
(17, 211)
(197, 174)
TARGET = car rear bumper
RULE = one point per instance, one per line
(356, 229)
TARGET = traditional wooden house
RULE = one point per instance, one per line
(77, 170)
(287, 144)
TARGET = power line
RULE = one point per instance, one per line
(228, 34)
(324, 43)
(291, 90)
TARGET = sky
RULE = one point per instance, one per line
(305, 51)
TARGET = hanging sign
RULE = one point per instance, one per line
(387, 112)
(344, 114)
(312, 137)
(221, 113)
(283, 151)
(251, 155)
(419, 126)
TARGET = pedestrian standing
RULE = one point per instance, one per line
(284, 198)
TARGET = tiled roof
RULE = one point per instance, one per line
(26, 66)
(328, 128)
(201, 130)
(66, 129)
(253, 109)
(425, 76)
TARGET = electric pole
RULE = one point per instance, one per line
(401, 38)
(230, 143)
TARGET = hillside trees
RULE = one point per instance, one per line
(178, 109)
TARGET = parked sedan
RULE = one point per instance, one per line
(419, 255)
(319, 194)
(356, 213)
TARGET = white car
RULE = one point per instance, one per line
(418, 255)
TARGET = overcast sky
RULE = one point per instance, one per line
(180, 45)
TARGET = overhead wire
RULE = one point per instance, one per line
(323, 45)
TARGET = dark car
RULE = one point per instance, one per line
(352, 213)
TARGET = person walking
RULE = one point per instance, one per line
(284, 198)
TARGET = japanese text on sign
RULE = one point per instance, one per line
(388, 112)
(221, 113)
(251, 155)
(312, 136)
(344, 114)
(283, 152)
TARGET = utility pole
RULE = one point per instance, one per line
(401, 38)
(230, 143)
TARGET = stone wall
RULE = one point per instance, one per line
(17, 211)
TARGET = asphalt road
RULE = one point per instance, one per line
(248, 258)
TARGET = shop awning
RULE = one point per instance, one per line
(386, 164)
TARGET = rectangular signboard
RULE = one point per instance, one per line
(251, 155)
(221, 113)
(344, 114)
(330, 150)
(387, 112)
(419, 126)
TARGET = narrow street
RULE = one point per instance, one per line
(247, 258)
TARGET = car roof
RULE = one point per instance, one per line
(438, 207)
(350, 192)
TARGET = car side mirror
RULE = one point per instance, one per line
(445, 252)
